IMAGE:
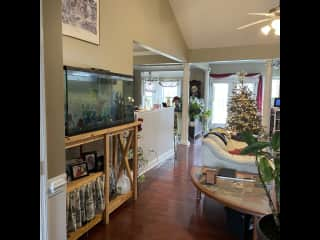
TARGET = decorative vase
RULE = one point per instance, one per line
(205, 125)
(266, 228)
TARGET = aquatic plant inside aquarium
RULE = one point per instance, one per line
(96, 99)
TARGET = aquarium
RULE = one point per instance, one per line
(96, 99)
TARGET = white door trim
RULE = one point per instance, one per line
(43, 143)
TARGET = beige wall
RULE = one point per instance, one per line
(249, 67)
(197, 74)
(54, 85)
(235, 53)
(150, 22)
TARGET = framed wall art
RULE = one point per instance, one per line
(195, 86)
(80, 19)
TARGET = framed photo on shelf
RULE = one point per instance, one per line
(91, 159)
(211, 177)
(79, 170)
(100, 163)
(74, 161)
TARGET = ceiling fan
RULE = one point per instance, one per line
(273, 17)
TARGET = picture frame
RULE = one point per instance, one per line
(91, 159)
(211, 177)
(68, 172)
(74, 161)
(195, 88)
(81, 20)
(79, 170)
(100, 163)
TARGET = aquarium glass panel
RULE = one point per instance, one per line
(97, 100)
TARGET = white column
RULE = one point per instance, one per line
(206, 94)
(266, 108)
(206, 87)
(185, 105)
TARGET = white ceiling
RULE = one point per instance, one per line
(214, 23)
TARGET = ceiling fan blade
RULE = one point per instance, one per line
(262, 14)
(254, 23)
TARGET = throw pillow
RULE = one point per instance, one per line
(236, 151)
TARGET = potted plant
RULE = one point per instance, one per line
(204, 119)
(196, 108)
(268, 164)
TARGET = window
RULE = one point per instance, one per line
(159, 87)
(148, 100)
(275, 92)
(275, 89)
(169, 93)
(250, 86)
(220, 102)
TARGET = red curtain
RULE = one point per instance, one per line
(259, 91)
(221, 75)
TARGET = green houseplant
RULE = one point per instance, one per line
(196, 108)
(268, 164)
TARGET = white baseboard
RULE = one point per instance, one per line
(156, 161)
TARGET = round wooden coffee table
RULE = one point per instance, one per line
(243, 196)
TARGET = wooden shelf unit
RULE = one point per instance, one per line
(80, 231)
(118, 201)
(108, 134)
(82, 181)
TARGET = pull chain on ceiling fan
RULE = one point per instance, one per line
(273, 17)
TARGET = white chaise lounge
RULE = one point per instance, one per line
(214, 153)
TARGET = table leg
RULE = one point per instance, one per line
(255, 221)
(198, 195)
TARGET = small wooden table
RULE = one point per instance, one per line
(242, 196)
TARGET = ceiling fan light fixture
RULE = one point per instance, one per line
(266, 29)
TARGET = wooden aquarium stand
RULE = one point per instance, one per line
(111, 136)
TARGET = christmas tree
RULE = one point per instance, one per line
(242, 110)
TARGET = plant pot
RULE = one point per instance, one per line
(266, 228)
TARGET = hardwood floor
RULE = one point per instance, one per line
(166, 207)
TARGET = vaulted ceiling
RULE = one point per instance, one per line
(214, 23)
